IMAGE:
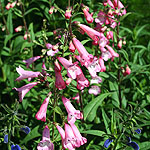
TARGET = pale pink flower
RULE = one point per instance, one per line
(101, 62)
(49, 46)
(101, 18)
(110, 4)
(72, 47)
(73, 70)
(59, 82)
(113, 53)
(79, 139)
(68, 13)
(93, 34)
(94, 67)
(94, 90)
(73, 114)
(13, 4)
(31, 60)
(26, 74)
(18, 29)
(8, 6)
(103, 40)
(119, 5)
(53, 49)
(68, 81)
(96, 80)
(41, 114)
(105, 54)
(87, 15)
(77, 98)
(45, 144)
(25, 89)
(82, 51)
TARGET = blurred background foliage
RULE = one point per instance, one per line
(99, 111)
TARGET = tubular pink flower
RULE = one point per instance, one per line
(109, 35)
(72, 47)
(87, 15)
(101, 62)
(26, 74)
(79, 139)
(73, 114)
(51, 10)
(94, 67)
(31, 60)
(13, 4)
(93, 34)
(113, 53)
(70, 138)
(45, 144)
(41, 114)
(49, 46)
(105, 54)
(94, 90)
(82, 51)
(8, 6)
(82, 82)
(101, 18)
(127, 71)
(119, 5)
(110, 4)
(73, 70)
(24, 90)
(96, 80)
(62, 134)
(59, 82)
(120, 44)
(103, 40)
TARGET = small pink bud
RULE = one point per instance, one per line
(26, 36)
(68, 13)
(68, 81)
(18, 29)
(124, 42)
(51, 10)
(127, 71)
(119, 44)
(8, 6)
(72, 47)
(13, 4)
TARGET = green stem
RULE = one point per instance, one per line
(9, 136)
(81, 104)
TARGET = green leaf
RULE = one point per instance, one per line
(9, 22)
(33, 134)
(30, 10)
(144, 145)
(94, 132)
(125, 54)
(91, 108)
(32, 36)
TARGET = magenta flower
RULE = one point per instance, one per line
(31, 60)
(87, 15)
(25, 89)
(94, 90)
(59, 82)
(82, 51)
(68, 13)
(119, 5)
(82, 82)
(93, 34)
(8, 6)
(45, 144)
(79, 139)
(109, 35)
(72, 47)
(73, 114)
(77, 98)
(26, 74)
(41, 114)
(101, 18)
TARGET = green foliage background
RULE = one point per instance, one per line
(100, 111)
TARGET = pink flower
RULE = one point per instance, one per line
(109, 35)
(59, 82)
(94, 90)
(25, 89)
(41, 114)
(53, 49)
(31, 60)
(45, 144)
(103, 40)
(73, 114)
(26, 36)
(127, 71)
(18, 29)
(49, 46)
(113, 53)
(73, 70)
(96, 80)
(13, 4)
(26, 74)
(68, 81)
(68, 13)
(8, 6)
(87, 15)
(77, 98)
(101, 62)
(120, 44)
(82, 51)
(79, 139)
(93, 34)
(72, 47)
(101, 18)
(51, 10)
(105, 54)
(119, 5)
(82, 82)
